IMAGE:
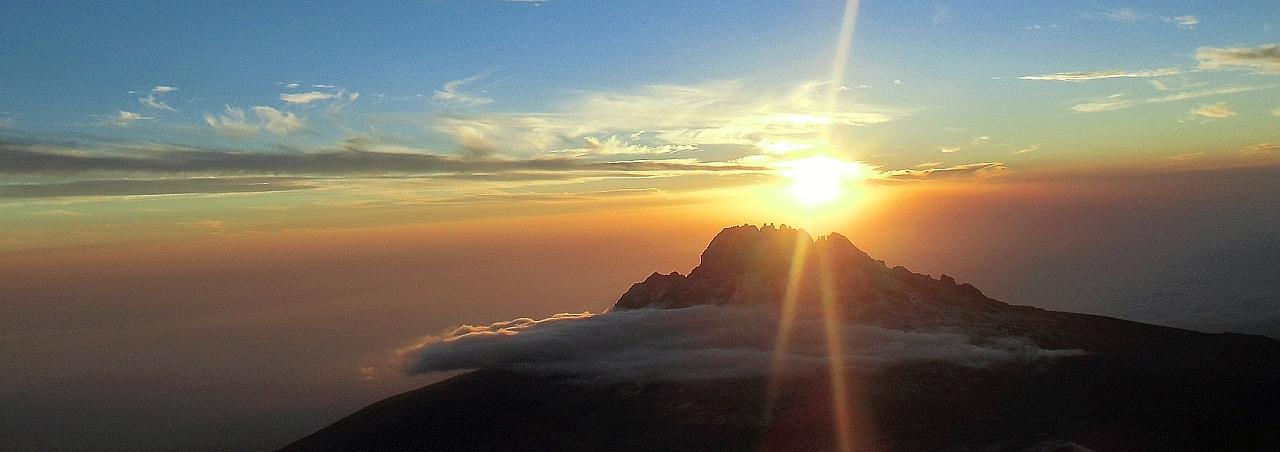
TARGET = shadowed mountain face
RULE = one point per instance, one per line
(1093, 383)
(746, 265)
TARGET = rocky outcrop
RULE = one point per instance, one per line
(749, 265)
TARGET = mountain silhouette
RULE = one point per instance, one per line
(746, 265)
(1095, 383)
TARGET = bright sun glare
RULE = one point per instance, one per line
(820, 180)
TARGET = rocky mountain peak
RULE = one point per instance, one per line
(750, 265)
(746, 248)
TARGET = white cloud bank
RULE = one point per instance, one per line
(690, 343)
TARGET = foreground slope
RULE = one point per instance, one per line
(1134, 387)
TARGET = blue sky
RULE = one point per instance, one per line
(74, 67)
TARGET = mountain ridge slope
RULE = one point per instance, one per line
(1137, 387)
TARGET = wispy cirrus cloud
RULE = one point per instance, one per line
(958, 172)
(975, 142)
(1082, 76)
(153, 103)
(1218, 110)
(235, 123)
(1027, 150)
(1113, 102)
(1133, 16)
(1125, 15)
(1034, 27)
(307, 97)
(452, 93)
(712, 113)
(342, 102)
(1184, 22)
(613, 145)
(152, 100)
(336, 98)
(1264, 58)
(1261, 150)
(1164, 85)
(1219, 91)
(1116, 102)
(126, 118)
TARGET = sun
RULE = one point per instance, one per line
(817, 181)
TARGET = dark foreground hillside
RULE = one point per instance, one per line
(1131, 387)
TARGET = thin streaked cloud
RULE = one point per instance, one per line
(1082, 76)
(1116, 102)
(1125, 15)
(1185, 22)
(1261, 150)
(126, 118)
(307, 97)
(1027, 150)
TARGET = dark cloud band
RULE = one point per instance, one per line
(29, 159)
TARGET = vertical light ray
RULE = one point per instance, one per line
(840, 62)
(843, 43)
(795, 278)
(841, 416)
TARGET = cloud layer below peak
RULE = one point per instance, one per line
(691, 343)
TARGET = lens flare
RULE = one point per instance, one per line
(831, 318)
(820, 180)
(795, 278)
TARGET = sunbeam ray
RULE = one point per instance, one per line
(786, 321)
(840, 62)
(842, 417)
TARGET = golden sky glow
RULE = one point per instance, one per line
(302, 189)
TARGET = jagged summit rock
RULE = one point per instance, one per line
(756, 266)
